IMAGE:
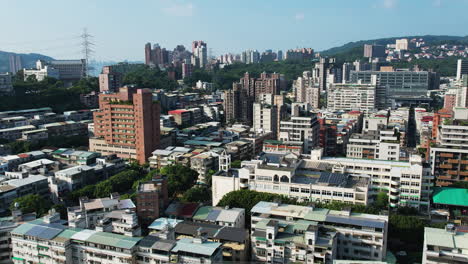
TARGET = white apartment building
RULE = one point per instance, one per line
(349, 97)
(303, 129)
(406, 183)
(447, 245)
(384, 146)
(359, 236)
(265, 118)
(287, 175)
(93, 212)
(168, 156)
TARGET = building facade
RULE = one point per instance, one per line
(127, 124)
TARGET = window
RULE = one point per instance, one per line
(294, 189)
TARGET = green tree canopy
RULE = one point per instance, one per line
(179, 178)
(32, 203)
(198, 194)
(145, 77)
(381, 201)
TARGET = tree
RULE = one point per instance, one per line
(197, 194)
(381, 201)
(209, 176)
(179, 178)
(247, 199)
(236, 164)
(32, 203)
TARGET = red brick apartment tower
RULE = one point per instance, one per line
(127, 124)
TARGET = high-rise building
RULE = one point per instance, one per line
(307, 90)
(302, 127)
(238, 104)
(398, 86)
(348, 97)
(279, 55)
(462, 68)
(449, 155)
(187, 69)
(321, 70)
(127, 124)
(199, 54)
(265, 117)
(15, 63)
(267, 83)
(402, 44)
(374, 51)
(155, 56)
(109, 80)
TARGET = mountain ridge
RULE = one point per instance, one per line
(384, 41)
(28, 60)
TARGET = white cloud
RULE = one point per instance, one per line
(183, 10)
(389, 4)
(437, 3)
(299, 16)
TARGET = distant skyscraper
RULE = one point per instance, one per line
(280, 55)
(15, 63)
(187, 69)
(374, 51)
(402, 44)
(155, 56)
(462, 68)
(199, 54)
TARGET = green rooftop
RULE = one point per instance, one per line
(450, 196)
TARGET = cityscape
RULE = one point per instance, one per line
(354, 153)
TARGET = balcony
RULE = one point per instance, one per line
(394, 189)
(396, 183)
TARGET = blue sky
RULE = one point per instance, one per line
(122, 27)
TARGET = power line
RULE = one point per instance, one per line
(86, 48)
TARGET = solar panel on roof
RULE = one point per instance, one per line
(213, 215)
(355, 221)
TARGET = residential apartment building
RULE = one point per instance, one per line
(168, 156)
(445, 245)
(407, 183)
(110, 80)
(199, 54)
(238, 105)
(349, 97)
(287, 175)
(203, 163)
(265, 118)
(92, 212)
(47, 241)
(151, 199)
(303, 126)
(231, 217)
(290, 233)
(155, 56)
(14, 188)
(127, 124)
(384, 145)
(374, 51)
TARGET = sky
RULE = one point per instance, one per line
(120, 28)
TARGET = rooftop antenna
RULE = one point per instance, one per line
(87, 49)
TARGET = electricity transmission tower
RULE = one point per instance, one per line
(87, 49)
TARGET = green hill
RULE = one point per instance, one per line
(27, 60)
(430, 39)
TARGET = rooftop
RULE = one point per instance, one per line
(444, 238)
(450, 196)
(188, 245)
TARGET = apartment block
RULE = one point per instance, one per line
(47, 241)
(407, 183)
(127, 124)
(6, 86)
(151, 199)
(287, 175)
(265, 118)
(445, 245)
(384, 145)
(290, 233)
(110, 80)
(301, 127)
(349, 97)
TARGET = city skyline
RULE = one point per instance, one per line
(313, 24)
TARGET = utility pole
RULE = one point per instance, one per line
(86, 49)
